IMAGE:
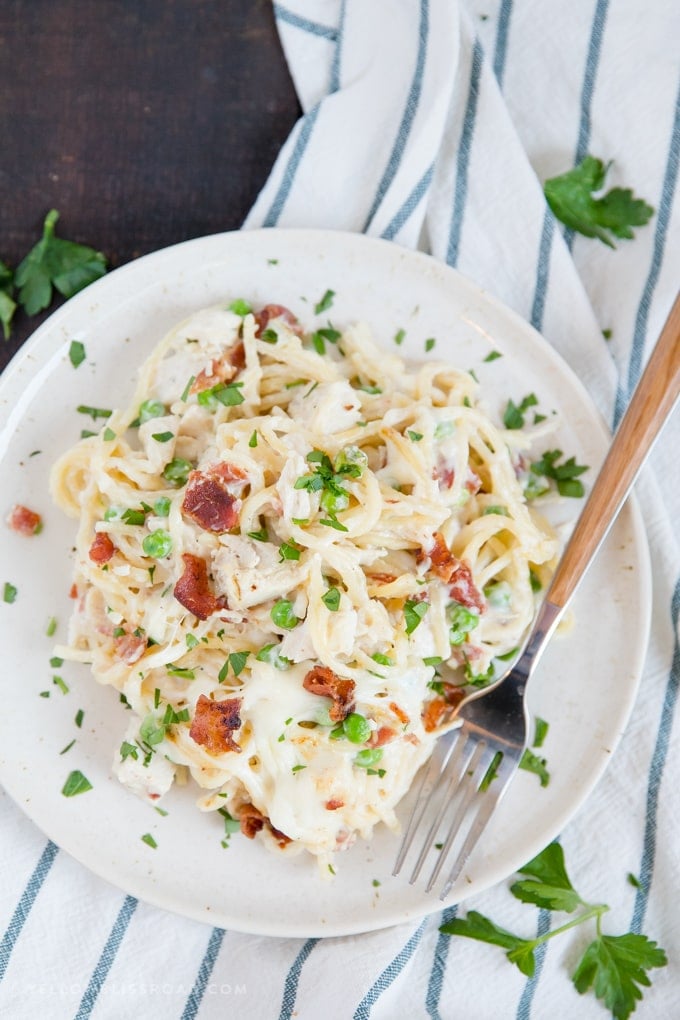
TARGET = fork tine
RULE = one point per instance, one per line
(458, 763)
(488, 801)
(468, 788)
(428, 786)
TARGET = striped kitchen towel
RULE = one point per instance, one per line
(433, 124)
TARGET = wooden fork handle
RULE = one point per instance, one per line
(651, 404)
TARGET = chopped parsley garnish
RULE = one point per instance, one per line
(320, 337)
(331, 599)
(535, 581)
(56, 662)
(501, 510)
(76, 353)
(564, 475)
(493, 355)
(399, 337)
(191, 641)
(237, 662)
(9, 593)
(182, 672)
(60, 683)
(382, 660)
(433, 660)
(289, 551)
(270, 336)
(228, 394)
(513, 418)
(252, 442)
(149, 840)
(332, 522)
(94, 412)
(162, 437)
(259, 536)
(80, 715)
(51, 628)
(429, 344)
(614, 214)
(271, 654)
(415, 437)
(531, 762)
(187, 389)
(298, 768)
(68, 747)
(109, 435)
(128, 750)
(540, 731)
(325, 302)
(461, 621)
(132, 517)
(76, 783)
(414, 613)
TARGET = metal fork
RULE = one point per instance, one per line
(473, 765)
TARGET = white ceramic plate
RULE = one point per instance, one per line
(585, 686)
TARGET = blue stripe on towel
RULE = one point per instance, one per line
(656, 770)
(204, 971)
(106, 959)
(293, 979)
(438, 970)
(463, 160)
(390, 974)
(408, 116)
(305, 24)
(524, 1005)
(663, 216)
(592, 62)
(23, 907)
(502, 32)
(306, 126)
(411, 203)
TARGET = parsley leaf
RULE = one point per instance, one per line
(531, 762)
(475, 926)
(614, 214)
(414, 613)
(548, 885)
(325, 302)
(7, 303)
(513, 418)
(565, 475)
(54, 262)
(615, 966)
(76, 783)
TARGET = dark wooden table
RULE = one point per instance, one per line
(144, 122)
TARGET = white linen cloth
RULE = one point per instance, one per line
(434, 124)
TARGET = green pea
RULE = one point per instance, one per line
(282, 614)
(357, 728)
(369, 757)
(162, 506)
(149, 409)
(158, 544)
(177, 471)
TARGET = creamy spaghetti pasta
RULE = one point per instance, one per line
(280, 542)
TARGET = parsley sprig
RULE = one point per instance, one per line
(565, 475)
(52, 264)
(329, 477)
(613, 966)
(614, 214)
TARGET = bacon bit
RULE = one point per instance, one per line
(231, 474)
(323, 681)
(412, 739)
(473, 483)
(25, 521)
(281, 837)
(440, 709)
(445, 476)
(130, 648)
(193, 591)
(399, 712)
(383, 578)
(251, 820)
(333, 804)
(102, 548)
(263, 317)
(222, 370)
(464, 590)
(210, 504)
(214, 722)
(383, 735)
(73, 591)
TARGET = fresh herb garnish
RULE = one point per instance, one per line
(614, 214)
(415, 437)
(8, 305)
(289, 551)
(162, 437)
(564, 475)
(94, 412)
(331, 599)
(109, 435)
(252, 442)
(614, 966)
(9, 593)
(240, 307)
(399, 337)
(76, 353)
(492, 356)
(149, 840)
(55, 262)
(325, 302)
(429, 344)
(414, 613)
(76, 783)
(541, 728)
(513, 417)
(227, 394)
(80, 715)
